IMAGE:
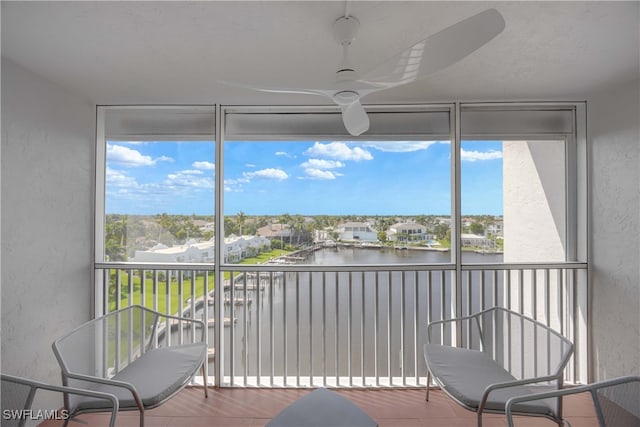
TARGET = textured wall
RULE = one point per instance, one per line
(534, 201)
(47, 187)
(614, 129)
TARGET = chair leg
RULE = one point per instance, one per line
(428, 384)
(205, 382)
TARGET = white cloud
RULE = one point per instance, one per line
(204, 165)
(129, 157)
(116, 178)
(320, 174)
(322, 164)
(399, 146)
(269, 173)
(284, 154)
(339, 151)
(189, 178)
(191, 172)
(472, 156)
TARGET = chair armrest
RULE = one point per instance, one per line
(68, 390)
(539, 396)
(591, 388)
(113, 383)
(516, 383)
(162, 317)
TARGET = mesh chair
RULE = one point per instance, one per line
(139, 355)
(502, 354)
(18, 395)
(616, 402)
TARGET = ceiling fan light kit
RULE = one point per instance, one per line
(432, 54)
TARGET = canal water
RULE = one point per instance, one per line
(316, 325)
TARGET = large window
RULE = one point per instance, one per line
(295, 188)
(520, 184)
(324, 201)
(158, 182)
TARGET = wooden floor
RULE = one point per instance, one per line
(233, 407)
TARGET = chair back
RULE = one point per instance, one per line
(105, 345)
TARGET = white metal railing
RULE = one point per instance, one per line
(346, 326)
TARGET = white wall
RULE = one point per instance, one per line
(614, 133)
(47, 187)
(534, 201)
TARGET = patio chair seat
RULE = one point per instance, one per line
(156, 375)
(465, 374)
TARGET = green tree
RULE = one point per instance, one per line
(240, 219)
(441, 231)
(115, 239)
(476, 228)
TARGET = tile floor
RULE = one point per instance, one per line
(233, 407)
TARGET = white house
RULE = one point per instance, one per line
(235, 249)
(409, 232)
(357, 231)
(191, 251)
(473, 240)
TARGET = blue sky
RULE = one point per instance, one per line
(302, 177)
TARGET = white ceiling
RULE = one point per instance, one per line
(158, 52)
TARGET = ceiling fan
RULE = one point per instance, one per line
(432, 54)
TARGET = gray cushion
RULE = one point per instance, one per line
(322, 408)
(156, 375)
(465, 374)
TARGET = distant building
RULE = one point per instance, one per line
(474, 240)
(236, 248)
(275, 231)
(191, 251)
(495, 229)
(410, 232)
(357, 231)
(320, 236)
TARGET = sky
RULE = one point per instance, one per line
(302, 177)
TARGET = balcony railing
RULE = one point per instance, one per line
(346, 326)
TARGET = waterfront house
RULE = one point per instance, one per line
(409, 232)
(235, 249)
(357, 232)
(276, 231)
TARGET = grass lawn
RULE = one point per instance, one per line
(157, 298)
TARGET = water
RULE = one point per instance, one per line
(358, 324)
(357, 256)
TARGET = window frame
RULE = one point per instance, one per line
(576, 170)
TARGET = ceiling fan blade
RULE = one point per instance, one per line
(273, 89)
(355, 119)
(437, 51)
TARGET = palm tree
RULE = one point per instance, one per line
(240, 219)
(283, 220)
